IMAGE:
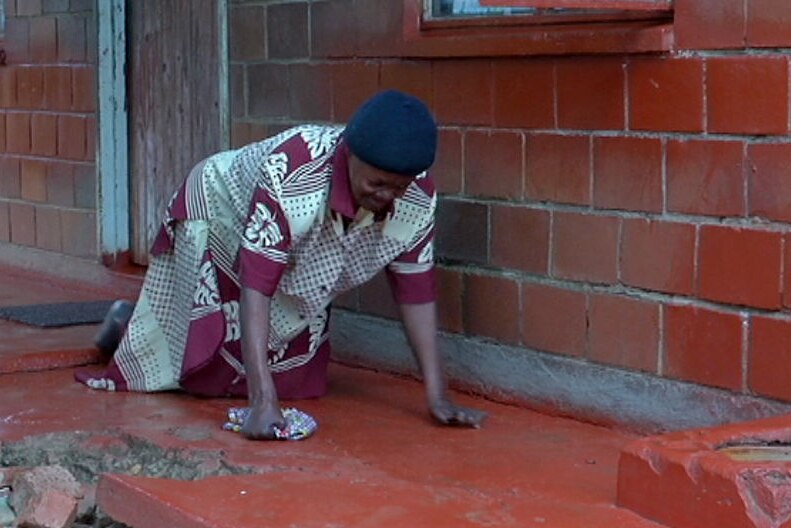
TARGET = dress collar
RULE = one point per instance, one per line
(341, 199)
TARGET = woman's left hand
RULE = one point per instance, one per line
(448, 413)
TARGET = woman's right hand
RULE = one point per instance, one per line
(262, 421)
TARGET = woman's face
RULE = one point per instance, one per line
(375, 189)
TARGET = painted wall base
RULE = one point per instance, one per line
(550, 383)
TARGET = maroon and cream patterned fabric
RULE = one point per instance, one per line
(276, 216)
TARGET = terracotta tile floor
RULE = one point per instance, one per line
(377, 460)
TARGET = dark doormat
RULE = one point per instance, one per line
(57, 314)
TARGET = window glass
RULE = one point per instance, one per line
(472, 8)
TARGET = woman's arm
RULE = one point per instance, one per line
(420, 323)
(265, 415)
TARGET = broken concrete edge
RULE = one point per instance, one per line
(124, 499)
(67, 271)
(705, 486)
(57, 358)
(585, 391)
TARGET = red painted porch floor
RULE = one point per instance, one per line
(376, 460)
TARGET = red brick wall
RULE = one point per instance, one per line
(48, 123)
(622, 209)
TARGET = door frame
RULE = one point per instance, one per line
(114, 189)
(112, 153)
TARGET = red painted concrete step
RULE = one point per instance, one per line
(25, 348)
(734, 476)
(376, 460)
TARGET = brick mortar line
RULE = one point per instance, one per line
(635, 134)
(45, 205)
(639, 134)
(672, 217)
(622, 290)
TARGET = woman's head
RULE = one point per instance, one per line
(394, 132)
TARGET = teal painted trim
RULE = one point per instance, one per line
(112, 162)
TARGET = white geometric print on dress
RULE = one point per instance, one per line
(277, 164)
(319, 140)
(426, 255)
(207, 293)
(263, 231)
(233, 330)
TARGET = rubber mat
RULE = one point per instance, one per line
(57, 314)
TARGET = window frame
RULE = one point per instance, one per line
(631, 5)
(634, 31)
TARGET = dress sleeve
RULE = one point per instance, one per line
(266, 239)
(411, 274)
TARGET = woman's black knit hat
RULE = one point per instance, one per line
(394, 132)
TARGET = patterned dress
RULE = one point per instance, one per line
(276, 216)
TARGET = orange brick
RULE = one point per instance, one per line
(352, 85)
(770, 355)
(524, 93)
(33, 180)
(379, 28)
(43, 134)
(770, 195)
(247, 24)
(703, 346)
(48, 228)
(83, 89)
(60, 184)
(18, 132)
(30, 87)
(447, 169)
(78, 229)
(732, 105)
(554, 319)
(627, 173)
(740, 266)
(463, 231)
(491, 308)
(16, 40)
(769, 23)
(58, 87)
(28, 8)
(269, 83)
(8, 87)
(463, 92)
(658, 255)
(90, 139)
(706, 177)
(493, 164)
(23, 224)
(72, 38)
(450, 290)
(287, 31)
(9, 177)
(85, 178)
(43, 44)
(585, 247)
(666, 94)
(520, 238)
(558, 168)
(72, 137)
(310, 95)
(333, 29)
(410, 77)
(376, 298)
(590, 93)
(624, 332)
(5, 222)
(717, 24)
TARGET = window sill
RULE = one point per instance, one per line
(597, 34)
